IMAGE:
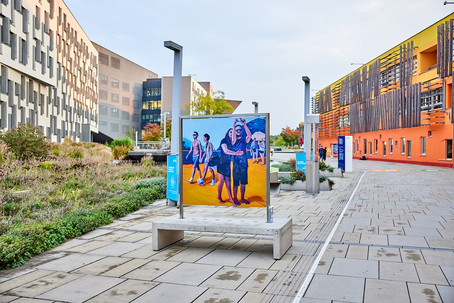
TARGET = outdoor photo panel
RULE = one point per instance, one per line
(224, 160)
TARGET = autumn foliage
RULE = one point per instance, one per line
(152, 132)
(290, 136)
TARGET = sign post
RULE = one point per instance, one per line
(345, 153)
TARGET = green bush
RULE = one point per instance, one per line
(76, 154)
(323, 166)
(159, 183)
(298, 175)
(125, 141)
(287, 180)
(25, 142)
(283, 167)
(46, 164)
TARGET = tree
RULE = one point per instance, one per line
(206, 105)
(168, 128)
(290, 136)
(152, 132)
(279, 141)
(26, 141)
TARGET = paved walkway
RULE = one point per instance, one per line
(394, 242)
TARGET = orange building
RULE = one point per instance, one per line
(398, 107)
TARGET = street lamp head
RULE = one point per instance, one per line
(173, 46)
(306, 79)
(255, 103)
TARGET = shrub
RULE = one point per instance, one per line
(287, 180)
(76, 153)
(283, 167)
(298, 175)
(147, 161)
(159, 183)
(121, 152)
(292, 163)
(26, 141)
(46, 164)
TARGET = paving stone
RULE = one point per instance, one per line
(143, 252)
(440, 243)
(151, 270)
(70, 262)
(449, 274)
(351, 237)
(204, 242)
(336, 288)
(242, 244)
(446, 293)
(116, 249)
(374, 239)
(23, 279)
(228, 277)
(288, 260)
(135, 237)
(258, 260)
(423, 293)
(191, 254)
(188, 274)
(384, 254)
(224, 257)
(411, 256)
(167, 253)
(43, 284)
(29, 300)
(354, 268)
(336, 250)
(356, 221)
(258, 280)
(378, 291)
(431, 274)
(357, 252)
(398, 271)
(81, 289)
(89, 246)
(7, 299)
(445, 258)
(125, 292)
(220, 295)
(388, 230)
(113, 236)
(70, 244)
(171, 293)
(95, 233)
(125, 268)
(254, 297)
(324, 265)
(411, 241)
(366, 229)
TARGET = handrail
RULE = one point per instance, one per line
(150, 145)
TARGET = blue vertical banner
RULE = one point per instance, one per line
(341, 152)
(172, 182)
(301, 162)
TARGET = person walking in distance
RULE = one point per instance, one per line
(196, 150)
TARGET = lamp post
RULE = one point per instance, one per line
(256, 107)
(165, 121)
(176, 93)
(176, 101)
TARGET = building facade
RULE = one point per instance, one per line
(120, 93)
(398, 107)
(49, 70)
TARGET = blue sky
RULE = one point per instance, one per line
(257, 50)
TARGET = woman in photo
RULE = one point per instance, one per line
(208, 161)
(224, 170)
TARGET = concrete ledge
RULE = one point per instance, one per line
(171, 230)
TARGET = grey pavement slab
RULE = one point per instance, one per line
(188, 274)
(125, 268)
(446, 293)
(42, 285)
(412, 241)
(101, 266)
(220, 295)
(340, 288)
(423, 293)
(431, 274)
(171, 293)
(70, 262)
(448, 271)
(224, 257)
(398, 271)
(357, 252)
(422, 231)
(116, 249)
(28, 300)
(22, 279)
(255, 297)
(151, 270)
(258, 260)
(124, 292)
(384, 254)
(411, 256)
(89, 246)
(378, 291)
(440, 243)
(81, 289)
(192, 254)
(445, 258)
(228, 277)
(354, 268)
(258, 280)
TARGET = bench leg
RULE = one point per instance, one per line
(164, 237)
(282, 241)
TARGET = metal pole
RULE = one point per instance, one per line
(256, 107)
(307, 129)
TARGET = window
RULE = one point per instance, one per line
(102, 94)
(102, 123)
(114, 127)
(449, 149)
(370, 148)
(136, 104)
(357, 146)
(409, 149)
(124, 115)
(365, 146)
(402, 143)
(135, 117)
(152, 92)
(115, 83)
(150, 105)
(384, 148)
(114, 98)
(376, 146)
(423, 145)
(103, 110)
(103, 59)
(115, 62)
(125, 87)
(115, 113)
(103, 79)
(390, 145)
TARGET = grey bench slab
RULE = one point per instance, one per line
(171, 229)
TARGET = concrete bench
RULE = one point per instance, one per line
(275, 184)
(171, 230)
